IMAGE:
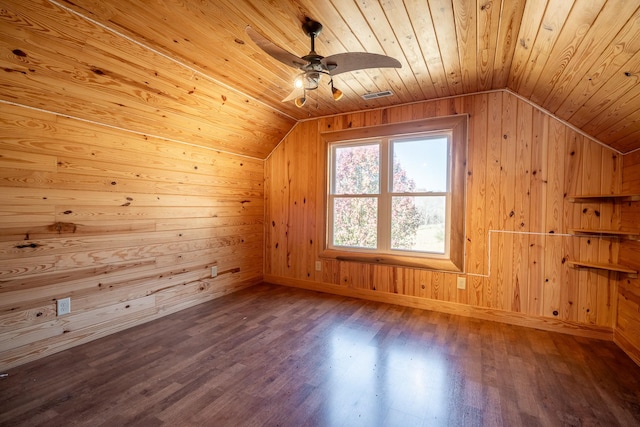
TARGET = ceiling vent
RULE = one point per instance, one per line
(377, 94)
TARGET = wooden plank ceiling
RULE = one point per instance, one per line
(186, 70)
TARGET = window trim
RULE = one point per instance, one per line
(457, 125)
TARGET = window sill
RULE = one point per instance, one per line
(440, 264)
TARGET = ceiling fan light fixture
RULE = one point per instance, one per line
(308, 80)
(311, 81)
(337, 93)
(300, 101)
(313, 66)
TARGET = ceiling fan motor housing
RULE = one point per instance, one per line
(311, 28)
(314, 66)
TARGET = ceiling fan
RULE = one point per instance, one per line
(314, 66)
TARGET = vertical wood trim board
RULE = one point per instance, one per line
(126, 225)
(522, 163)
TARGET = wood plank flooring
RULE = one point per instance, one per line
(277, 356)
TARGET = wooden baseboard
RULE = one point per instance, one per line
(544, 323)
(626, 346)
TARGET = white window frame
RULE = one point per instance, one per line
(455, 128)
(386, 194)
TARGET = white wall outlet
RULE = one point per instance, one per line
(64, 306)
(214, 271)
(462, 283)
(318, 265)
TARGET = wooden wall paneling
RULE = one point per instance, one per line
(437, 285)
(537, 220)
(331, 271)
(424, 280)
(507, 164)
(572, 217)
(318, 209)
(60, 198)
(128, 186)
(32, 162)
(589, 218)
(630, 178)
(124, 170)
(16, 216)
(124, 253)
(131, 279)
(302, 174)
(296, 243)
(406, 281)
(294, 195)
(276, 200)
(522, 209)
(523, 163)
(38, 349)
(476, 241)
(607, 287)
(87, 175)
(36, 132)
(495, 280)
(384, 278)
(508, 179)
(422, 284)
(493, 191)
(627, 314)
(312, 198)
(22, 292)
(453, 294)
(554, 220)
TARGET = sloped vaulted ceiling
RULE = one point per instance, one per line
(186, 70)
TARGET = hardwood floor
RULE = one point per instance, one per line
(279, 356)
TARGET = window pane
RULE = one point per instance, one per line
(418, 223)
(357, 169)
(420, 165)
(355, 222)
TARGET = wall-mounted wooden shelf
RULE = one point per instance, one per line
(609, 267)
(628, 235)
(596, 197)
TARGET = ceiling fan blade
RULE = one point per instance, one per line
(352, 61)
(296, 93)
(274, 50)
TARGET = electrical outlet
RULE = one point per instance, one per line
(214, 271)
(462, 283)
(318, 265)
(64, 306)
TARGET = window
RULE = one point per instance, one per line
(398, 197)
